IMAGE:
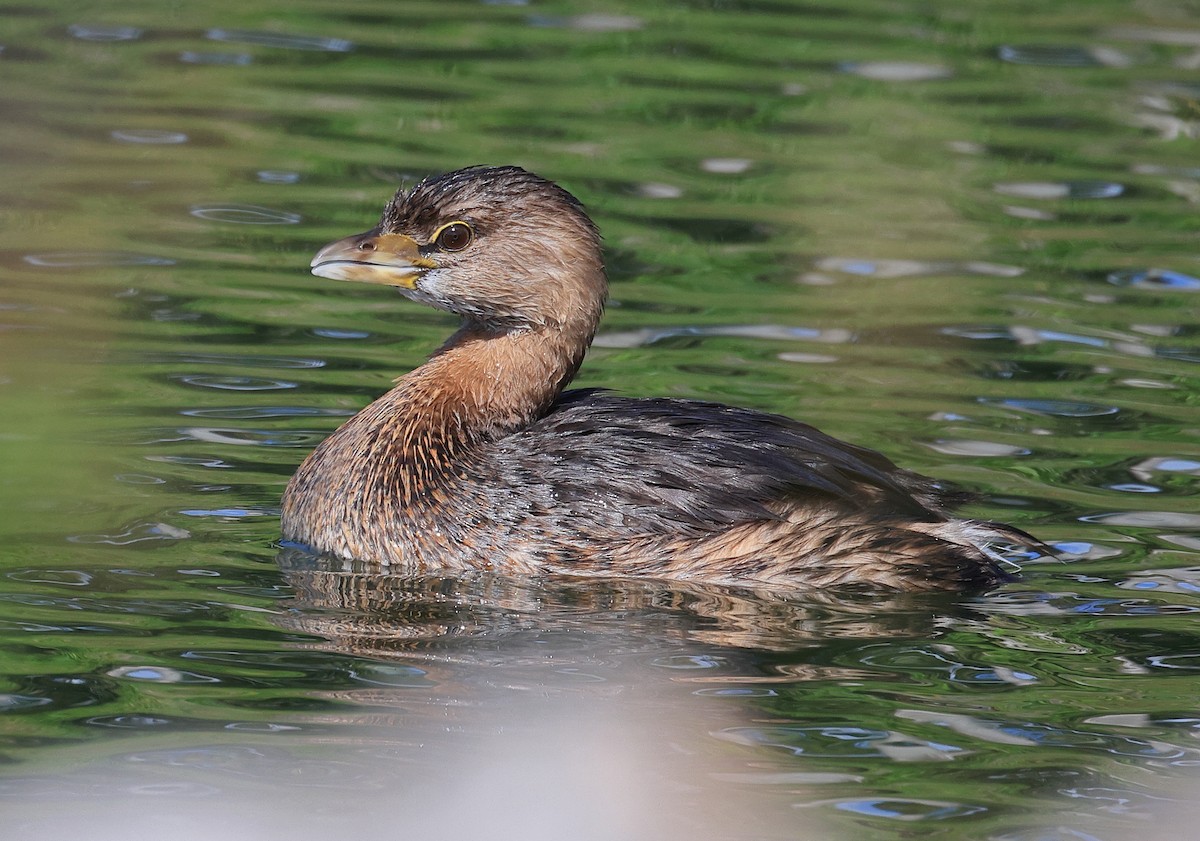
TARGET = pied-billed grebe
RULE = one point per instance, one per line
(478, 459)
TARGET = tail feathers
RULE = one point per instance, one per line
(1020, 544)
(996, 547)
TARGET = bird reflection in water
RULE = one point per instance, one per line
(361, 609)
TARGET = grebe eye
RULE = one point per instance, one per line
(454, 237)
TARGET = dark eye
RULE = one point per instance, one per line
(454, 237)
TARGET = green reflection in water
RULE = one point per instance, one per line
(920, 228)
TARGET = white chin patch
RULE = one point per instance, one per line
(367, 273)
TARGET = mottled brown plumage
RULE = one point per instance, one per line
(479, 460)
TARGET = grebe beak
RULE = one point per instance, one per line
(389, 259)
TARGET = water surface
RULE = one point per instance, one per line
(962, 234)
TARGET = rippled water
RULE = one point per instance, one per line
(961, 233)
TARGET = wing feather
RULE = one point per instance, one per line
(661, 464)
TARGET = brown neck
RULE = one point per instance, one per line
(482, 383)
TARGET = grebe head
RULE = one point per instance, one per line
(499, 246)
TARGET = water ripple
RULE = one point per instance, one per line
(890, 268)
(128, 721)
(726, 166)
(738, 692)
(1049, 604)
(897, 71)
(1034, 213)
(262, 727)
(250, 437)
(104, 33)
(245, 214)
(649, 336)
(386, 674)
(601, 22)
(1146, 519)
(138, 533)
(193, 461)
(64, 577)
(1156, 35)
(966, 725)
(279, 41)
(929, 661)
(1048, 735)
(332, 333)
(261, 412)
(658, 190)
(1166, 464)
(139, 479)
(1031, 336)
(231, 513)
(1060, 189)
(906, 809)
(592, 22)
(240, 360)
(277, 176)
(841, 742)
(150, 137)
(807, 358)
(10, 702)
(1053, 833)
(219, 59)
(789, 778)
(1178, 354)
(89, 259)
(1053, 408)
(1048, 55)
(689, 661)
(236, 383)
(159, 674)
(1181, 580)
(1119, 801)
(1155, 279)
(981, 449)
